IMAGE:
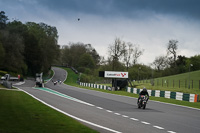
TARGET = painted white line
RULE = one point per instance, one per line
(19, 83)
(109, 111)
(134, 119)
(99, 107)
(145, 122)
(65, 96)
(125, 116)
(90, 123)
(117, 114)
(171, 132)
(158, 127)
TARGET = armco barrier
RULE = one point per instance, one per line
(104, 87)
(167, 94)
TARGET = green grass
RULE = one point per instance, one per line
(1, 86)
(21, 113)
(72, 77)
(177, 83)
(48, 76)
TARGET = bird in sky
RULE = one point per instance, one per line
(78, 19)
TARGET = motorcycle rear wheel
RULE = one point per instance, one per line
(144, 106)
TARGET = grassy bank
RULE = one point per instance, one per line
(72, 78)
(21, 113)
(186, 83)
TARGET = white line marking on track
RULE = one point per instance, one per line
(171, 132)
(64, 96)
(99, 107)
(147, 123)
(159, 127)
(134, 119)
(19, 83)
(117, 113)
(74, 117)
(125, 116)
(109, 111)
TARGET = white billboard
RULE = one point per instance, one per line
(113, 74)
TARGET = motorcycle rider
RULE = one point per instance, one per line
(143, 92)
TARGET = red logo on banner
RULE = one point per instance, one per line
(123, 74)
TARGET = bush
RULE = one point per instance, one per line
(84, 78)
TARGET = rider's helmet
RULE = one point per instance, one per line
(144, 89)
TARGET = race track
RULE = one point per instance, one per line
(112, 113)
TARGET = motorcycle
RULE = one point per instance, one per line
(142, 102)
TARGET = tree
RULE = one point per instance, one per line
(115, 51)
(42, 42)
(2, 53)
(72, 53)
(3, 20)
(128, 54)
(86, 61)
(137, 52)
(172, 49)
(139, 72)
(29, 47)
(13, 43)
(32, 54)
(93, 53)
(160, 62)
(181, 63)
(195, 61)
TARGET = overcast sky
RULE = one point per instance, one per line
(148, 23)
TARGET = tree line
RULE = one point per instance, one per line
(27, 48)
(124, 56)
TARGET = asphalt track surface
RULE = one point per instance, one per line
(112, 113)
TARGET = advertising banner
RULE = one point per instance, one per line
(114, 74)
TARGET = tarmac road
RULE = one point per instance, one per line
(112, 113)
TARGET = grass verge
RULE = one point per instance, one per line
(21, 113)
(185, 82)
(72, 78)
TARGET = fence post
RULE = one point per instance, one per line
(199, 84)
(186, 83)
(157, 82)
(167, 82)
(192, 84)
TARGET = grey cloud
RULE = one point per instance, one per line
(129, 8)
(125, 8)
